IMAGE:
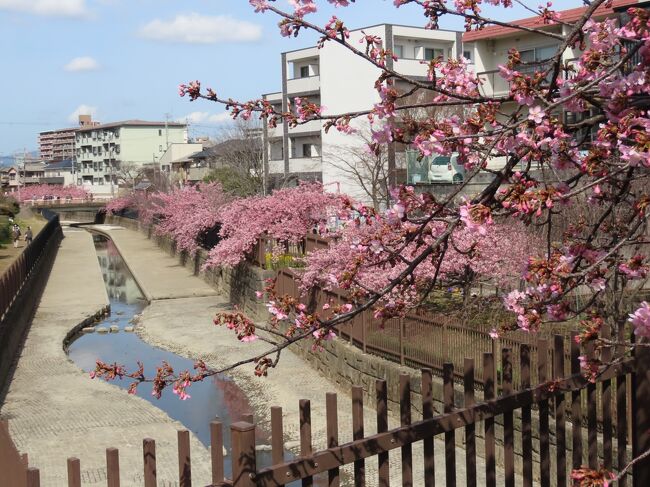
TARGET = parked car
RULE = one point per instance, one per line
(446, 169)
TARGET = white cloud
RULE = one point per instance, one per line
(205, 117)
(85, 63)
(54, 8)
(201, 29)
(82, 110)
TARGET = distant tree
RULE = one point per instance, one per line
(234, 181)
(8, 206)
(237, 159)
(129, 174)
(365, 167)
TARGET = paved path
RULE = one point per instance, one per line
(56, 411)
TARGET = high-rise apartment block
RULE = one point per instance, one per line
(59, 145)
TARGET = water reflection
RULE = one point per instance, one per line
(217, 397)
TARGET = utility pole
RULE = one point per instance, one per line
(110, 161)
(166, 131)
(17, 169)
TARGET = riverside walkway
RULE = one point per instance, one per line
(57, 411)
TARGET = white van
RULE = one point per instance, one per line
(446, 169)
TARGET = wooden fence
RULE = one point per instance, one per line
(416, 340)
(554, 398)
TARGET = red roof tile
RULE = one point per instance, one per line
(570, 15)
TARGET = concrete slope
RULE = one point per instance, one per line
(56, 411)
(158, 275)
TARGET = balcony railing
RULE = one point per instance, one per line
(495, 85)
(303, 85)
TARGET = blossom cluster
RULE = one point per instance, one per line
(41, 191)
(286, 215)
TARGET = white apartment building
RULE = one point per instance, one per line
(103, 149)
(342, 82)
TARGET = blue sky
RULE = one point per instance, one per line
(124, 59)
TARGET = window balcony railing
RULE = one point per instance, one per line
(303, 85)
(496, 85)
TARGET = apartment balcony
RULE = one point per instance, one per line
(313, 127)
(411, 67)
(495, 85)
(275, 132)
(276, 166)
(302, 86)
(305, 164)
(297, 165)
(274, 97)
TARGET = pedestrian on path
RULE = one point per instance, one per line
(16, 235)
(29, 236)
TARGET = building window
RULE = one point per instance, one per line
(431, 53)
(467, 55)
(306, 150)
(398, 51)
(159, 133)
(304, 71)
(160, 148)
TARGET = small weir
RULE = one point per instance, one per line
(114, 341)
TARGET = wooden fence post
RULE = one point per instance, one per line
(184, 459)
(243, 454)
(364, 325)
(641, 415)
(149, 457)
(112, 467)
(401, 341)
(33, 477)
(216, 451)
(74, 472)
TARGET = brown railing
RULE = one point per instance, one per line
(414, 340)
(13, 465)
(541, 413)
(15, 277)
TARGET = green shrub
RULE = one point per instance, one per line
(285, 260)
(5, 229)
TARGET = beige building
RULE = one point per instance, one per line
(102, 151)
(488, 48)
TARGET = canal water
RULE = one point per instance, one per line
(214, 398)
